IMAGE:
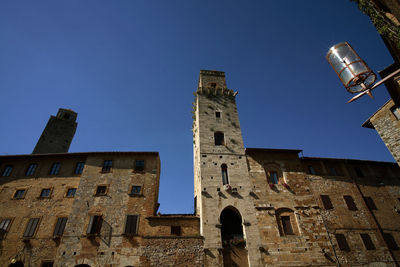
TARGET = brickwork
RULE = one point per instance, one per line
(388, 128)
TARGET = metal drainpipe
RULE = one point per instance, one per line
(373, 216)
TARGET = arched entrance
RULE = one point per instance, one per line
(17, 264)
(233, 242)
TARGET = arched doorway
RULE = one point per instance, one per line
(233, 242)
(17, 264)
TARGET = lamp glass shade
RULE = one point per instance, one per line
(353, 72)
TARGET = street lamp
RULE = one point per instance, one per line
(353, 72)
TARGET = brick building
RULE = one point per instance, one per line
(253, 206)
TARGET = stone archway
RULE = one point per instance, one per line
(232, 238)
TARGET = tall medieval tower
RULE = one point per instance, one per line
(221, 179)
(58, 134)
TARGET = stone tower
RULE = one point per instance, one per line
(221, 179)
(58, 134)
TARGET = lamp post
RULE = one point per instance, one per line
(353, 72)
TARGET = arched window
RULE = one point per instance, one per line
(232, 228)
(286, 222)
(224, 170)
(219, 138)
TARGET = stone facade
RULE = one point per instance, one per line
(253, 206)
(386, 121)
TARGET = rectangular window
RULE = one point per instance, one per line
(218, 114)
(94, 226)
(47, 264)
(176, 230)
(358, 172)
(273, 177)
(101, 190)
(60, 226)
(311, 170)
(79, 168)
(342, 242)
(31, 169)
(7, 171)
(396, 112)
(31, 227)
(71, 192)
(326, 201)
(286, 225)
(45, 192)
(131, 225)
(139, 165)
(367, 242)
(4, 226)
(55, 168)
(107, 165)
(20, 193)
(390, 241)
(350, 202)
(135, 190)
(370, 203)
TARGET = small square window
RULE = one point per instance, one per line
(55, 168)
(139, 165)
(19, 194)
(176, 230)
(31, 169)
(101, 190)
(107, 165)
(135, 190)
(45, 193)
(79, 168)
(71, 192)
(218, 114)
(7, 171)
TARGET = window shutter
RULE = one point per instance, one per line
(60, 226)
(89, 229)
(287, 226)
(390, 241)
(327, 202)
(350, 202)
(31, 227)
(131, 224)
(342, 242)
(370, 203)
(4, 224)
(367, 242)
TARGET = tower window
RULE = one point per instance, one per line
(369, 245)
(131, 225)
(19, 194)
(101, 190)
(286, 222)
(45, 193)
(219, 138)
(31, 227)
(139, 165)
(94, 225)
(224, 170)
(218, 114)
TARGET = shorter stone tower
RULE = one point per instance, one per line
(58, 134)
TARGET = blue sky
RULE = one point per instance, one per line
(129, 69)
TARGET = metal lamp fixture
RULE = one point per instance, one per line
(353, 72)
